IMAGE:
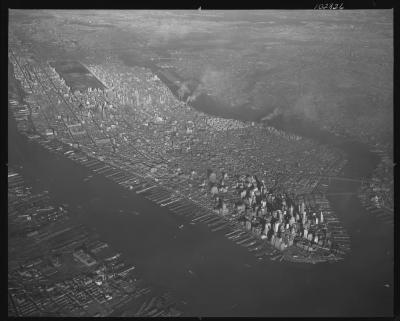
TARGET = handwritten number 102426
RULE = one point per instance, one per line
(329, 6)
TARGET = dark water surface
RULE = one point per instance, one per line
(226, 279)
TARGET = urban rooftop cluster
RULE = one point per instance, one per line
(137, 123)
(58, 267)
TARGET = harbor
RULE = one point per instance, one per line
(364, 245)
(99, 282)
(170, 251)
(181, 206)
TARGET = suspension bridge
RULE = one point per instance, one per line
(340, 178)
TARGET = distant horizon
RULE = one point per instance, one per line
(220, 148)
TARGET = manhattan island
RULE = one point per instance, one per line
(261, 187)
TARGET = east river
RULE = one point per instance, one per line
(210, 274)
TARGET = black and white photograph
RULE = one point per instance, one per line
(201, 163)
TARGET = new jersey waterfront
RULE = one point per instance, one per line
(127, 197)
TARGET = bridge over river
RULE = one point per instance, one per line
(165, 253)
(344, 179)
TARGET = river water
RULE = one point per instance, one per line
(224, 279)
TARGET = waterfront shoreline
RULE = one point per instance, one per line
(339, 267)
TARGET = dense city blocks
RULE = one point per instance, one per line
(163, 141)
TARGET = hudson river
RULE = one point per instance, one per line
(226, 280)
